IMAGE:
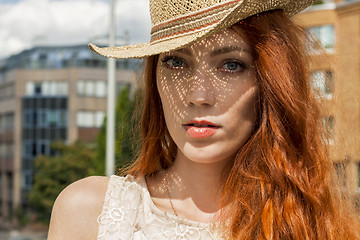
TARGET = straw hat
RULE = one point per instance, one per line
(176, 23)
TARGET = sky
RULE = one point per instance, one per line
(27, 23)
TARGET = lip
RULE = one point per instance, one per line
(200, 129)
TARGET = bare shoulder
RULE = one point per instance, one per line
(75, 212)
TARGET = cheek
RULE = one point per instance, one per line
(172, 93)
(250, 107)
(242, 116)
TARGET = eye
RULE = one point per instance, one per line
(233, 66)
(173, 62)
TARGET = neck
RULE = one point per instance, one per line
(200, 182)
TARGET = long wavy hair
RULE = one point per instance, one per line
(280, 185)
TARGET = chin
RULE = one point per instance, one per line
(206, 155)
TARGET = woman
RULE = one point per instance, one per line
(231, 136)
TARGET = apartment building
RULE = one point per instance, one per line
(49, 93)
(336, 78)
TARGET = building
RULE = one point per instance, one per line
(336, 78)
(48, 94)
(58, 93)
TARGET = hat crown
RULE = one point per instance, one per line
(165, 10)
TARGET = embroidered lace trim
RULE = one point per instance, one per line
(129, 213)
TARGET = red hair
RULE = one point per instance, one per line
(279, 186)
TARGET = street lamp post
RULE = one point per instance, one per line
(110, 124)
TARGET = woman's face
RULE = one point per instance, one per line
(208, 93)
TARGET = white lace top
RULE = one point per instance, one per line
(129, 213)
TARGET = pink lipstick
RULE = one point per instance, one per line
(200, 129)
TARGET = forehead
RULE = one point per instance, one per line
(227, 38)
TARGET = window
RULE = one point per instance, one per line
(62, 118)
(2, 150)
(2, 77)
(43, 57)
(329, 128)
(52, 118)
(1, 190)
(28, 118)
(62, 103)
(9, 154)
(9, 121)
(34, 118)
(27, 149)
(100, 89)
(52, 87)
(81, 88)
(91, 88)
(90, 118)
(85, 119)
(325, 35)
(9, 176)
(99, 118)
(6, 150)
(56, 88)
(10, 91)
(2, 122)
(37, 89)
(44, 147)
(42, 118)
(7, 91)
(62, 88)
(27, 179)
(47, 88)
(340, 169)
(322, 82)
(29, 89)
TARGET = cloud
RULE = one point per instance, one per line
(55, 22)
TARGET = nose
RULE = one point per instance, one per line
(200, 91)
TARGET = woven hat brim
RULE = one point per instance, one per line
(143, 50)
(240, 11)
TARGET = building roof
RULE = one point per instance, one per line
(55, 57)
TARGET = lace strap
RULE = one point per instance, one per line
(120, 210)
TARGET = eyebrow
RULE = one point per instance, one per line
(228, 49)
(184, 50)
(216, 52)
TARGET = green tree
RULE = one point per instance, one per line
(318, 2)
(53, 174)
(126, 132)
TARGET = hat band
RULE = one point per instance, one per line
(191, 23)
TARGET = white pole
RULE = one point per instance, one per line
(110, 124)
